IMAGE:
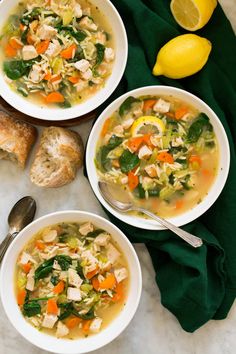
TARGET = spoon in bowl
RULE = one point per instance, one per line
(20, 216)
(124, 204)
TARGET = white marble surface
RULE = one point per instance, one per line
(153, 330)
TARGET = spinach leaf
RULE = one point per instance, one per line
(24, 36)
(68, 308)
(128, 161)
(104, 151)
(79, 270)
(44, 269)
(33, 15)
(54, 280)
(95, 233)
(65, 104)
(196, 128)
(64, 261)
(154, 192)
(15, 69)
(126, 105)
(79, 35)
(87, 316)
(100, 54)
(31, 309)
(140, 191)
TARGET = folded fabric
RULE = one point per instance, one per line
(196, 284)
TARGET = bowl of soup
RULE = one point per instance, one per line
(60, 59)
(70, 282)
(165, 148)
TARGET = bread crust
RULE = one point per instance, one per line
(59, 156)
(16, 139)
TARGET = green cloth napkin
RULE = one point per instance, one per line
(196, 285)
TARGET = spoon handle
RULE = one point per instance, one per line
(5, 244)
(186, 236)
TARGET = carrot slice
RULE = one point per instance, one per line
(73, 79)
(119, 292)
(105, 127)
(48, 76)
(91, 274)
(109, 282)
(22, 27)
(148, 104)
(42, 46)
(10, 51)
(55, 78)
(54, 97)
(26, 267)
(40, 245)
(134, 143)
(165, 157)
(69, 52)
(179, 204)
(14, 43)
(180, 112)
(195, 158)
(58, 289)
(95, 283)
(86, 325)
(30, 39)
(72, 322)
(21, 297)
(52, 307)
(132, 180)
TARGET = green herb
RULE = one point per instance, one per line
(139, 191)
(128, 161)
(154, 192)
(126, 105)
(31, 309)
(65, 104)
(63, 237)
(197, 127)
(54, 280)
(23, 91)
(67, 308)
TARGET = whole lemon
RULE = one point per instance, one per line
(182, 56)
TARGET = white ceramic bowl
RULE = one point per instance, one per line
(121, 52)
(224, 158)
(51, 343)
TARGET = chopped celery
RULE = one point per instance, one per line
(57, 65)
(62, 299)
(21, 280)
(166, 192)
(67, 17)
(153, 158)
(72, 242)
(86, 287)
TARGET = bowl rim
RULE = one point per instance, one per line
(55, 348)
(78, 110)
(208, 200)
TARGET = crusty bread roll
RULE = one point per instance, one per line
(16, 139)
(59, 155)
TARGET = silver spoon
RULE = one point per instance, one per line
(124, 204)
(21, 215)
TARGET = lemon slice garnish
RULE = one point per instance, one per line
(146, 125)
(192, 14)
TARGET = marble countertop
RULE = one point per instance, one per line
(154, 329)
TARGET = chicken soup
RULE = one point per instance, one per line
(57, 52)
(71, 280)
(161, 151)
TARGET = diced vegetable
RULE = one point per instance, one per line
(21, 295)
(42, 46)
(54, 97)
(59, 288)
(148, 104)
(133, 180)
(126, 105)
(31, 309)
(165, 157)
(108, 283)
(69, 52)
(197, 127)
(52, 307)
(73, 322)
(180, 112)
